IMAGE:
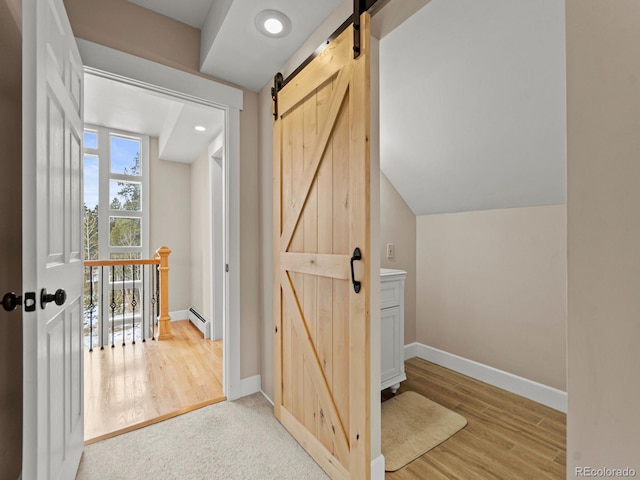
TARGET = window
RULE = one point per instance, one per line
(116, 205)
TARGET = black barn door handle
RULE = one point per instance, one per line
(357, 255)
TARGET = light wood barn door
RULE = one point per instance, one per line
(321, 215)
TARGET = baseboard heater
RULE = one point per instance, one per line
(200, 322)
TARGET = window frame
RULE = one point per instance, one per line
(105, 176)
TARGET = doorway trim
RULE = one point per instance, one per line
(219, 227)
(129, 69)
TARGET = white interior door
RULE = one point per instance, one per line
(52, 242)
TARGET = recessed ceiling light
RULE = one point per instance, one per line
(200, 128)
(273, 23)
(273, 26)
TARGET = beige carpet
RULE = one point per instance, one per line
(238, 440)
(413, 425)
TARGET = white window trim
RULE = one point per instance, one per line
(104, 176)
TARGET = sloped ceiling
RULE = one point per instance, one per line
(473, 105)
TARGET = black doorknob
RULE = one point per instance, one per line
(59, 297)
(10, 301)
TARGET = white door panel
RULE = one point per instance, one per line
(52, 242)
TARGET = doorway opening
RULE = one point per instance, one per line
(178, 191)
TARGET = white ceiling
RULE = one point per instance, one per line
(473, 105)
(191, 12)
(124, 107)
(232, 49)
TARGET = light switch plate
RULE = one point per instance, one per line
(391, 250)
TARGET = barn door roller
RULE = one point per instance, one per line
(277, 86)
(359, 7)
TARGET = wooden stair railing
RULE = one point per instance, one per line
(164, 319)
(161, 259)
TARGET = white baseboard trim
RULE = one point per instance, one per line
(249, 386)
(179, 315)
(411, 350)
(268, 398)
(377, 468)
(549, 396)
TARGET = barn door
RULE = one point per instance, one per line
(321, 255)
(52, 243)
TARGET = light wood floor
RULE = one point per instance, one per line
(136, 385)
(507, 437)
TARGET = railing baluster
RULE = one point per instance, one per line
(102, 309)
(124, 308)
(143, 297)
(133, 304)
(158, 304)
(164, 319)
(91, 307)
(154, 302)
(158, 293)
(113, 306)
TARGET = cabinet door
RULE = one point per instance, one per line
(391, 294)
(392, 354)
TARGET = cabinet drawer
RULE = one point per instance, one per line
(390, 294)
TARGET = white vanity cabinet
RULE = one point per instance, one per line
(392, 328)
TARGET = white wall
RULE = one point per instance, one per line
(492, 288)
(170, 222)
(603, 72)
